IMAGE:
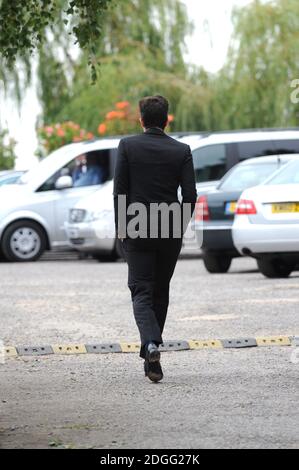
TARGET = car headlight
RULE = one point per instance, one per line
(77, 215)
(98, 215)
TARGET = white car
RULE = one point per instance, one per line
(91, 227)
(213, 154)
(266, 224)
(33, 212)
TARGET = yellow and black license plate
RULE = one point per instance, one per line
(230, 207)
(285, 207)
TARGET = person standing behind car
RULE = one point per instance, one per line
(89, 173)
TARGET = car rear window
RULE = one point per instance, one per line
(288, 175)
(287, 146)
(209, 162)
(255, 149)
(246, 176)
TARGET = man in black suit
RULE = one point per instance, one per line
(150, 169)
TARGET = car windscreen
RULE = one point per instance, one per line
(246, 176)
(288, 175)
(9, 180)
(45, 165)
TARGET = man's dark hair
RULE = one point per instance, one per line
(154, 111)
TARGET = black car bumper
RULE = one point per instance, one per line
(218, 239)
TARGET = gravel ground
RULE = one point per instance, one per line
(82, 301)
(224, 399)
(227, 399)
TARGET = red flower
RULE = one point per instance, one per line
(122, 105)
(60, 132)
(111, 115)
(102, 128)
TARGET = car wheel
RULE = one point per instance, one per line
(275, 267)
(23, 241)
(105, 257)
(217, 263)
(116, 254)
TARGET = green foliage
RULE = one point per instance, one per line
(140, 46)
(24, 25)
(152, 30)
(53, 91)
(89, 105)
(253, 89)
(141, 52)
(7, 151)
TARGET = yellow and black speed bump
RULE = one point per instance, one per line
(103, 348)
(175, 346)
(130, 347)
(239, 343)
(10, 351)
(35, 351)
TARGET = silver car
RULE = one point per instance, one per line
(33, 212)
(266, 224)
(91, 224)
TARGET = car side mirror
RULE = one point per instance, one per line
(64, 182)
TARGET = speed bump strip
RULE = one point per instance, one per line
(239, 343)
(174, 346)
(130, 347)
(10, 351)
(35, 350)
(69, 349)
(273, 341)
(103, 348)
(98, 348)
(208, 344)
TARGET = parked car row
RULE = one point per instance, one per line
(66, 200)
(266, 224)
(90, 231)
(220, 206)
(10, 177)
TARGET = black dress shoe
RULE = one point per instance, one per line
(152, 353)
(153, 370)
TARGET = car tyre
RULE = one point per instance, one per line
(23, 241)
(216, 263)
(275, 267)
(115, 255)
(105, 257)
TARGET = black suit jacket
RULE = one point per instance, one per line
(151, 167)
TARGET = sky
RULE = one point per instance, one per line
(207, 47)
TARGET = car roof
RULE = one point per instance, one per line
(200, 140)
(10, 173)
(269, 159)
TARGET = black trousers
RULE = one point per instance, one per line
(151, 263)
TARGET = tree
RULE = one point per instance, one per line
(24, 25)
(253, 89)
(141, 52)
(7, 153)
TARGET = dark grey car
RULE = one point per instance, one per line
(219, 206)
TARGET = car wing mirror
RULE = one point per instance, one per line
(64, 182)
